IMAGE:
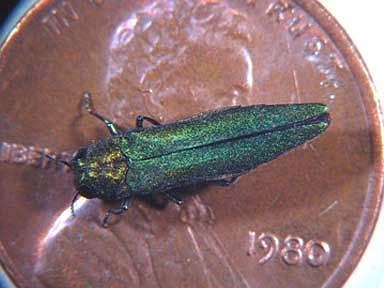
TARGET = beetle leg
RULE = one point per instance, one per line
(117, 211)
(173, 198)
(140, 119)
(88, 105)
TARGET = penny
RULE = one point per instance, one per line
(300, 221)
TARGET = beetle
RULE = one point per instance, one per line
(215, 146)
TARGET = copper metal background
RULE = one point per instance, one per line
(206, 242)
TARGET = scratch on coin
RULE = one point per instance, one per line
(296, 95)
(314, 150)
(317, 154)
(275, 199)
(329, 208)
(131, 267)
(151, 257)
(221, 252)
(199, 253)
(296, 85)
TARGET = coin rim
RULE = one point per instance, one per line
(372, 105)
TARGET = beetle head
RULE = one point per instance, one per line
(84, 174)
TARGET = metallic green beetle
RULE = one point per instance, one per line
(215, 146)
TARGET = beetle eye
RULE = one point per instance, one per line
(81, 153)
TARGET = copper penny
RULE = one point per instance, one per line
(300, 221)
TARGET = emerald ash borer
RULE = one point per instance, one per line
(215, 146)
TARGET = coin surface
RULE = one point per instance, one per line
(302, 220)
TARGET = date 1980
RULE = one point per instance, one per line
(292, 250)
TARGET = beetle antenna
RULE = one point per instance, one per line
(59, 160)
